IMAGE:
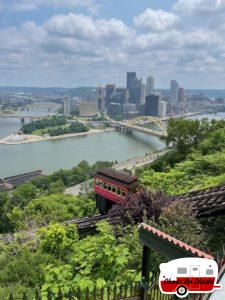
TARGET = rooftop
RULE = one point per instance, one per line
(206, 202)
(174, 242)
(117, 175)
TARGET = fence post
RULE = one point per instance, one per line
(60, 295)
(131, 290)
(49, 296)
(24, 296)
(108, 292)
(121, 291)
(114, 292)
(87, 294)
(126, 290)
(37, 295)
(11, 296)
(102, 294)
(95, 294)
(70, 295)
(145, 270)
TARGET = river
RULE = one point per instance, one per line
(51, 156)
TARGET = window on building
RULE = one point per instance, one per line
(123, 193)
(181, 270)
(209, 272)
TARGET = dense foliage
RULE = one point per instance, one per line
(43, 123)
(42, 201)
(74, 127)
(202, 165)
(60, 259)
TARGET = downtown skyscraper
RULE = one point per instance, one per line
(174, 92)
(134, 86)
(150, 85)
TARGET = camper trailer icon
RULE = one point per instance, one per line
(188, 276)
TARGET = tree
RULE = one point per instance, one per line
(4, 221)
(58, 240)
(185, 134)
(50, 209)
(97, 260)
(179, 220)
(139, 207)
(56, 187)
(22, 195)
(21, 268)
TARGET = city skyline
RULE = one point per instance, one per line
(92, 42)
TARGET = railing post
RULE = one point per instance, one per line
(108, 293)
(145, 270)
(87, 294)
(11, 296)
(102, 294)
(37, 295)
(95, 294)
(24, 296)
(114, 292)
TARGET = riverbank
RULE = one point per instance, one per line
(15, 139)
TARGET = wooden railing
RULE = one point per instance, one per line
(131, 291)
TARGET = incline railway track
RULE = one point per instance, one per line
(205, 203)
(82, 224)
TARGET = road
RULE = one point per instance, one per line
(131, 164)
(139, 161)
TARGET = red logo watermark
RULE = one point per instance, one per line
(188, 276)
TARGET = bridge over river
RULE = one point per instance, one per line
(141, 124)
(30, 117)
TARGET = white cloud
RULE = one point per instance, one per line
(84, 27)
(199, 7)
(156, 20)
(73, 49)
(23, 5)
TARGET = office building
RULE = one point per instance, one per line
(134, 85)
(74, 106)
(152, 105)
(143, 95)
(141, 109)
(88, 109)
(101, 102)
(109, 89)
(66, 104)
(130, 77)
(115, 109)
(181, 96)
(162, 109)
(120, 96)
(124, 95)
(150, 85)
(174, 92)
(129, 108)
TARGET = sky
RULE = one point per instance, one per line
(71, 43)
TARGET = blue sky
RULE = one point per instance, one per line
(90, 42)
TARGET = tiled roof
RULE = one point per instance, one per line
(174, 241)
(206, 202)
(22, 178)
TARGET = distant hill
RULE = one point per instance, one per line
(79, 91)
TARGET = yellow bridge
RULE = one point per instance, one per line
(139, 124)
